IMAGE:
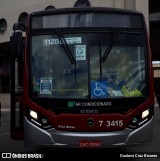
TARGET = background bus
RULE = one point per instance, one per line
(87, 79)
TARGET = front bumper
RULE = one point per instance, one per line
(35, 136)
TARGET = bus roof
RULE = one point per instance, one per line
(85, 9)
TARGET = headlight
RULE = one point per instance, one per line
(33, 114)
(141, 118)
(145, 113)
(38, 119)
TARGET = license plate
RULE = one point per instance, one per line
(90, 144)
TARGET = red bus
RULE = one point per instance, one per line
(84, 79)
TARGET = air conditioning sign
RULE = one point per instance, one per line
(89, 104)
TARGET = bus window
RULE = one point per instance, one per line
(124, 67)
(122, 74)
(50, 62)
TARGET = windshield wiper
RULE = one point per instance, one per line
(100, 54)
(109, 48)
(67, 50)
(65, 46)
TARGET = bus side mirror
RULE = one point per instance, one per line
(16, 41)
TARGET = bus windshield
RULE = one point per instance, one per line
(106, 64)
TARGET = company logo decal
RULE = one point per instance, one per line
(90, 122)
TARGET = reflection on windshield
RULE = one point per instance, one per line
(120, 74)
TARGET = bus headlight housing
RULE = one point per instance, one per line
(141, 118)
(38, 119)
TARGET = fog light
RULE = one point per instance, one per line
(145, 113)
(44, 121)
(33, 114)
(135, 121)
